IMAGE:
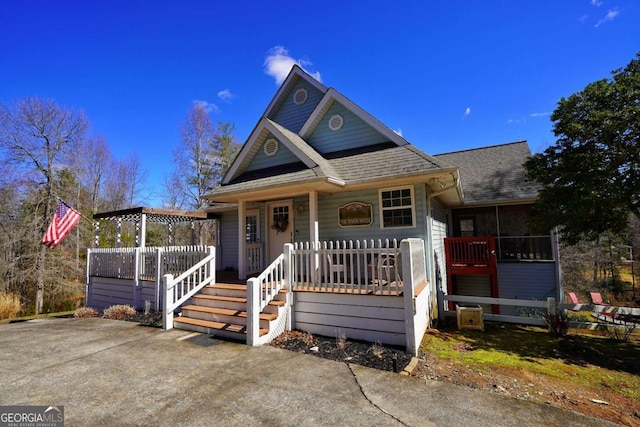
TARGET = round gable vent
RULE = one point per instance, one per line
(336, 122)
(300, 97)
(271, 147)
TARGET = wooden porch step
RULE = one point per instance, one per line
(227, 312)
(216, 325)
(239, 300)
(229, 286)
(234, 299)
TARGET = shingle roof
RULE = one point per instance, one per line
(494, 173)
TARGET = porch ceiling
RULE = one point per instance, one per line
(154, 215)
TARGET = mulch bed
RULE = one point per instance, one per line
(372, 355)
(340, 349)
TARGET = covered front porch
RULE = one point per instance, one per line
(374, 291)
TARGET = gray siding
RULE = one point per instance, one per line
(353, 134)
(227, 250)
(301, 219)
(104, 292)
(526, 280)
(439, 229)
(293, 116)
(364, 317)
(328, 218)
(284, 156)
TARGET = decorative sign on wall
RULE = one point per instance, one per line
(355, 214)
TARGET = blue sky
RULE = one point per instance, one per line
(448, 75)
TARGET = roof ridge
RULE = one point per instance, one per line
(523, 141)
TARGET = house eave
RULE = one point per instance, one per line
(322, 185)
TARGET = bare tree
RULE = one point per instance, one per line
(195, 156)
(38, 137)
(93, 166)
(123, 185)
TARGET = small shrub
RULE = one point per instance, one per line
(341, 341)
(84, 312)
(118, 312)
(9, 305)
(620, 332)
(558, 323)
(307, 339)
(377, 349)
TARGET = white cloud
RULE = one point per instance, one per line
(208, 106)
(596, 3)
(226, 95)
(467, 111)
(398, 132)
(279, 63)
(546, 113)
(610, 16)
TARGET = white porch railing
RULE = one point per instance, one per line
(142, 263)
(253, 256)
(177, 291)
(363, 268)
(262, 290)
(360, 267)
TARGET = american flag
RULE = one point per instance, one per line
(62, 222)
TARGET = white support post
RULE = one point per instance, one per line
(242, 240)
(136, 267)
(288, 283)
(406, 252)
(167, 311)
(159, 277)
(253, 311)
(96, 234)
(211, 266)
(314, 232)
(118, 232)
(143, 230)
(88, 279)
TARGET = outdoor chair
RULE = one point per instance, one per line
(596, 298)
(574, 298)
(336, 269)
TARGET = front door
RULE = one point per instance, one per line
(280, 227)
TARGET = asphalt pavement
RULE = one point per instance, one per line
(115, 373)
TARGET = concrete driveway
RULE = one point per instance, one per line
(114, 373)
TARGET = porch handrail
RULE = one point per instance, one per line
(178, 290)
(261, 290)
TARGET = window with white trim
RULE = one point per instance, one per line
(397, 207)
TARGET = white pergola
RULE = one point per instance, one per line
(140, 216)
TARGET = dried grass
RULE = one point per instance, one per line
(9, 305)
(84, 312)
(118, 312)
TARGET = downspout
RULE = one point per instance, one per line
(430, 267)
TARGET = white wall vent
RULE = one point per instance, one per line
(300, 97)
(271, 147)
(336, 122)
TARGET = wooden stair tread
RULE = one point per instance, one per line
(221, 298)
(227, 312)
(228, 286)
(216, 325)
(235, 299)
